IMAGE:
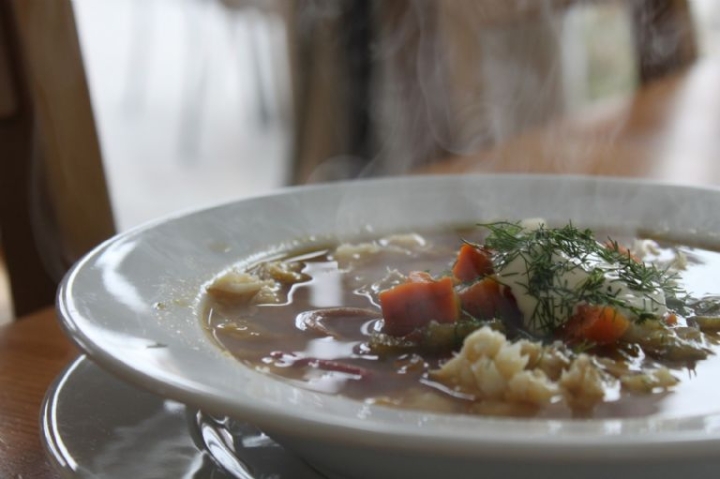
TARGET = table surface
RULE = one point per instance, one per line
(668, 130)
(33, 351)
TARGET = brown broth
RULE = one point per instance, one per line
(267, 338)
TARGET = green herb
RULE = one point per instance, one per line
(546, 275)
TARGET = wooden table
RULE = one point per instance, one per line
(669, 130)
(33, 351)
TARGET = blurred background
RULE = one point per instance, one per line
(193, 97)
(192, 101)
(198, 102)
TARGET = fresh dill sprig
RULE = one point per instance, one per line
(550, 255)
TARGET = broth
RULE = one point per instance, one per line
(319, 332)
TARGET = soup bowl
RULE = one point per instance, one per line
(134, 306)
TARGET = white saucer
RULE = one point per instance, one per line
(96, 426)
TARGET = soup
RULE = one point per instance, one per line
(504, 319)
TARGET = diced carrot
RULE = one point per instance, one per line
(472, 263)
(671, 319)
(414, 304)
(485, 299)
(599, 324)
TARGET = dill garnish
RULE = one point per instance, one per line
(563, 267)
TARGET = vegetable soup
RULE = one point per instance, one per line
(502, 319)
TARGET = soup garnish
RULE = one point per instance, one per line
(515, 319)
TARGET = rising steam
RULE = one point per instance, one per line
(440, 79)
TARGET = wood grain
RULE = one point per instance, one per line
(32, 354)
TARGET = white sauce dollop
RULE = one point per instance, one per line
(575, 272)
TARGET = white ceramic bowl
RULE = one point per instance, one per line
(132, 306)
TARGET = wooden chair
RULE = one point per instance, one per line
(54, 203)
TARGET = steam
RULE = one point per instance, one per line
(447, 78)
(450, 79)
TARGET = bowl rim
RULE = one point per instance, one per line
(577, 440)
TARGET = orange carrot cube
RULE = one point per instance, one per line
(472, 263)
(414, 304)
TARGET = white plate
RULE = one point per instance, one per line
(95, 426)
(132, 306)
